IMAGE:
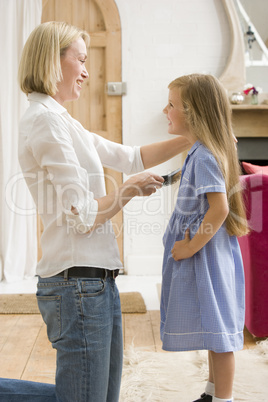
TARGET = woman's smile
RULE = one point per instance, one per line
(74, 72)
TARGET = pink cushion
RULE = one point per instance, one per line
(254, 248)
(251, 169)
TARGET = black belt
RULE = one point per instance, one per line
(88, 272)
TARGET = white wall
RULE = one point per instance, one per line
(161, 40)
(258, 14)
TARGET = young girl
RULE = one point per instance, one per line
(202, 301)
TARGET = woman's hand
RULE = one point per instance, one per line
(144, 184)
(182, 249)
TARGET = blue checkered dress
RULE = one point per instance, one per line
(202, 300)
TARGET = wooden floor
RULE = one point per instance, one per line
(26, 353)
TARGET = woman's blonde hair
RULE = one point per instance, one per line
(40, 68)
(208, 116)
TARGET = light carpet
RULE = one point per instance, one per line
(131, 302)
(182, 376)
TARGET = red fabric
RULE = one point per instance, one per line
(254, 249)
(249, 168)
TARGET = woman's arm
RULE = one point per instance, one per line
(143, 184)
(213, 220)
(159, 152)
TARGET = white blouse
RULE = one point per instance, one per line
(63, 166)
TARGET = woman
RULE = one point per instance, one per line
(62, 163)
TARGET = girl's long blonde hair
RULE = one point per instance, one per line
(208, 115)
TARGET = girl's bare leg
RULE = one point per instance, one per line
(223, 368)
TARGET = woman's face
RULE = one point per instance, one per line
(74, 72)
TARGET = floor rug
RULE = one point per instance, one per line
(182, 376)
(131, 302)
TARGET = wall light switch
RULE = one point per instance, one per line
(116, 88)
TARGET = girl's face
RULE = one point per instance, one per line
(174, 111)
(73, 72)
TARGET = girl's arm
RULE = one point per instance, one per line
(159, 152)
(213, 220)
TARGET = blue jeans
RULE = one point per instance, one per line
(18, 391)
(84, 325)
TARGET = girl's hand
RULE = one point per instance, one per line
(182, 249)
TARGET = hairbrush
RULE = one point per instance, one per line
(172, 177)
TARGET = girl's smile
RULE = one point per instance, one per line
(175, 114)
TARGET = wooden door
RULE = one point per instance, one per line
(95, 110)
